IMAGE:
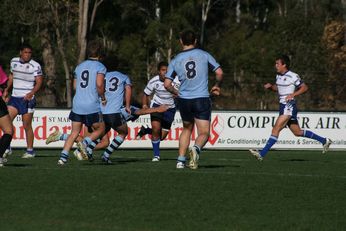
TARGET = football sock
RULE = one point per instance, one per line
(64, 155)
(181, 159)
(87, 140)
(311, 135)
(116, 142)
(4, 143)
(63, 136)
(156, 147)
(272, 140)
(198, 149)
(30, 151)
(92, 145)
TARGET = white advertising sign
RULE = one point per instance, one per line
(229, 130)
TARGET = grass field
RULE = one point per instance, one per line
(289, 190)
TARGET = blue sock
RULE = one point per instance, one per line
(272, 140)
(30, 151)
(182, 159)
(87, 140)
(92, 145)
(156, 147)
(311, 135)
(116, 142)
(64, 136)
(64, 155)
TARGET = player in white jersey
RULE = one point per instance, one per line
(160, 122)
(25, 80)
(89, 86)
(192, 66)
(289, 86)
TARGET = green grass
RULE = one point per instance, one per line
(289, 190)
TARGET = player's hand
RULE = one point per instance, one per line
(289, 97)
(215, 91)
(29, 96)
(162, 108)
(104, 102)
(268, 86)
(128, 109)
(145, 106)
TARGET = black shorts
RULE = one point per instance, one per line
(113, 121)
(3, 108)
(166, 118)
(199, 108)
(88, 119)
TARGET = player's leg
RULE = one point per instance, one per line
(27, 124)
(7, 129)
(156, 138)
(76, 128)
(280, 123)
(184, 142)
(297, 131)
(13, 112)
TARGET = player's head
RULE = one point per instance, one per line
(110, 62)
(94, 49)
(162, 69)
(284, 60)
(25, 52)
(188, 37)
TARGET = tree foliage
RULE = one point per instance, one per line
(244, 36)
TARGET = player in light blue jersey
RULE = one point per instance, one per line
(192, 66)
(289, 86)
(89, 86)
(118, 88)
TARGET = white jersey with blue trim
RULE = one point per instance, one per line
(192, 67)
(86, 100)
(287, 83)
(115, 83)
(161, 95)
(24, 76)
(127, 116)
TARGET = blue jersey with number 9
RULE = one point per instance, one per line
(192, 67)
(86, 100)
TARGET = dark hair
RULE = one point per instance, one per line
(162, 64)
(188, 37)
(110, 62)
(284, 60)
(94, 49)
(24, 46)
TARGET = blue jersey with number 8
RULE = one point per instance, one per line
(192, 67)
(86, 100)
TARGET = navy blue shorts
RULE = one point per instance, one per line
(199, 108)
(113, 120)
(289, 109)
(88, 119)
(166, 118)
(23, 106)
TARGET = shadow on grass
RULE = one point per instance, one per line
(296, 160)
(212, 166)
(18, 165)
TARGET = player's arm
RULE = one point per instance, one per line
(37, 86)
(215, 90)
(144, 111)
(100, 86)
(169, 87)
(128, 95)
(145, 100)
(6, 91)
(301, 90)
(271, 87)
